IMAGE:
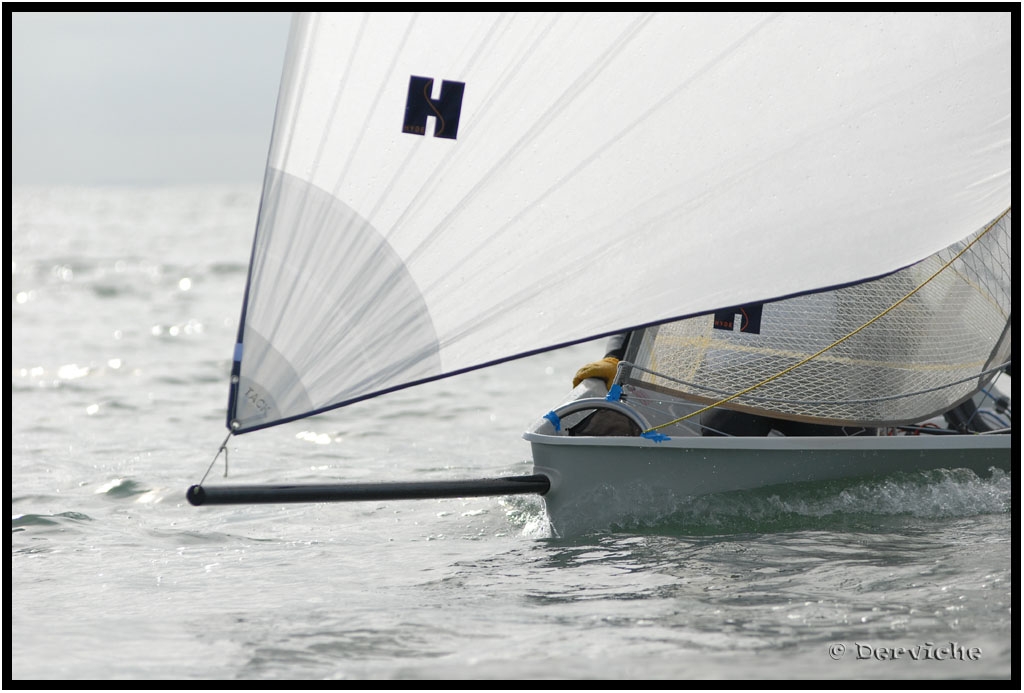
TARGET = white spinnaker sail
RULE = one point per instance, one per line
(607, 171)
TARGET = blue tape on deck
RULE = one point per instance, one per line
(655, 436)
(555, 421)
(615, 393)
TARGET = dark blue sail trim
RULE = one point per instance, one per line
(236, 363)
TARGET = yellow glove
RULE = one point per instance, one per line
(604, 369)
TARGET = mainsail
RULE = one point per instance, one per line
(447, 191)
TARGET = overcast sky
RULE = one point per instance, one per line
(143, 98)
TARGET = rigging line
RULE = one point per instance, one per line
(841, 339)
(774, 400)
(223, 448)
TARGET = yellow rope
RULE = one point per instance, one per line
(841, 339)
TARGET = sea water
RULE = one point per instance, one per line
(124, 306)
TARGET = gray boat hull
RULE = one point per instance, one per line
(598, 480)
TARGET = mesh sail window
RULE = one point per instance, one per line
(904, 361)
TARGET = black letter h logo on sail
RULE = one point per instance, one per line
(445, 109)
(750, 318)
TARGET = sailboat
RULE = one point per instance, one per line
(899, 374)
(801, 215)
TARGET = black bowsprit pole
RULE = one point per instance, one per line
(332, 493)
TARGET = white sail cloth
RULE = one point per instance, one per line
(608, 171)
